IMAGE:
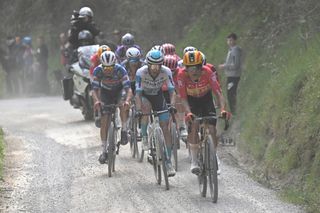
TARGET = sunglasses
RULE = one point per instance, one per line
(193, 68)
(107, 68)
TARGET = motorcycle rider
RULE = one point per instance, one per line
(83, 21)
(127, 41)
(109, 80)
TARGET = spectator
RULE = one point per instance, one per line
(42, 58)
(232, 68)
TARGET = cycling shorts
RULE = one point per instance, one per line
(110, 97)
(158, 103)
(203, 106)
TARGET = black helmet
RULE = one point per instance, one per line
(127, 39)
(85, 37)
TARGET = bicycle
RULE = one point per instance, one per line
(112, 137)
(175, 139)
(158, 149)
(207, 159)
(133, 133)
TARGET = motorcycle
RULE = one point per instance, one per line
(77, 86)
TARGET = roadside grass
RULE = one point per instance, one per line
(278, 104)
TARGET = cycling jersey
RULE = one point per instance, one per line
(206, 82)
(95, 61)
(151, 86)
(213, 68)
(117, 80)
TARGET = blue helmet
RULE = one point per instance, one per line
(27, 40)
(155, 57)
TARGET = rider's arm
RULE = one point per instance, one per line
(138, 90)
(126, 84)
(183, 90)
(96, 84)
(170, 85)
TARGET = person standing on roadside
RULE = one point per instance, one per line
(42, 58)
(232, 68)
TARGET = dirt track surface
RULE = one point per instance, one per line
(51, 166)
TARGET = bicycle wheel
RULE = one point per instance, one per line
(212, 170)
(162, 151)
(111, 148)
(174, 141)
(155, 160)
(202, 177)
(115, 139)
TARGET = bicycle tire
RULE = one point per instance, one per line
(212, 170)
(155, 161)
(115, 137)
(174, 141)
(110, 150)
(163, 153)
(202, 177)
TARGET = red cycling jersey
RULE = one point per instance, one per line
(95, 61)
(213, 68)
(207, 81)
(175, 80)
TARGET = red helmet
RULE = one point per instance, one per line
(171, 62)
(169, 49)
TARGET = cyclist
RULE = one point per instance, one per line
(127, 41)
(196, 84)
(95, 59)
(109, 79)
(132, 63)
(170, 49)
(172, 63)
(149, 80)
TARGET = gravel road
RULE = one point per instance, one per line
(51, 165)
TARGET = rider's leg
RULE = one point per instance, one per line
(193, 141)
(145, 108)
(105, 123)
(124, 116)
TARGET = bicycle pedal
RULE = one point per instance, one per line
(149, 159)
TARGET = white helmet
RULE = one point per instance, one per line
(85, 12)
(108, 58)
(189, 48)
(157, 47)
(133, 53)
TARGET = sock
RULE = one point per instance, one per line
(124, 127)
(104, 146)
(169, 154)
(194, 149)
(144, 129)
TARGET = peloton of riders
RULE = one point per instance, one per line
(160, 81)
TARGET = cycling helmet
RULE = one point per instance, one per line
(85, 12)
(192, 58)
(169, 49)
(157, 47)
(133, 54)
(154, 57)
(108, 58)
(189, 48)
(127, 39)
(204, 60)
(27, 40)
(103, 48)
(85, 35)
(171, 62)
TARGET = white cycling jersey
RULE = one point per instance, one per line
(151, 86)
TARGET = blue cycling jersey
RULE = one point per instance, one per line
(117, 79)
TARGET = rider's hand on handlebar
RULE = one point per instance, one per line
(189, 117)
(172, 109)
(138, 114)
(226, 115)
